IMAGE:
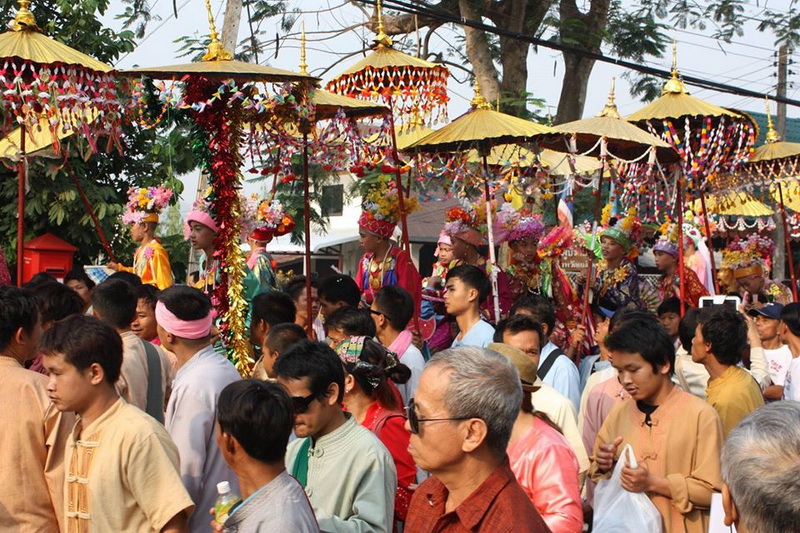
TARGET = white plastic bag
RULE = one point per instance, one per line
(618, 511)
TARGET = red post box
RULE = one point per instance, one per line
(46, 253)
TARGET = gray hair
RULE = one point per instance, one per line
(761, 466)
(482, 385)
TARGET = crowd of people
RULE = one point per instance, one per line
(475, 399)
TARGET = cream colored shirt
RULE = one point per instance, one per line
(562, 413)
(734, 395)
(132, 384)
(31, 452)
(122, 474)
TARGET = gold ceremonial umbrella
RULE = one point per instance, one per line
(733, 203)
(481, 127)
(37, 64)
(555, 162)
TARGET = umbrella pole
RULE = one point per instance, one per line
(681, 271)
(590, 268)
(709, 243)
(787, 242)
(399, 180)
(307, 229)
(23, 172)
(490, 233)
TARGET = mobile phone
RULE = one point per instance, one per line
(734, 302)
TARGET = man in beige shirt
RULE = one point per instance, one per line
(121, 465)
(114, 302)
(34, 434)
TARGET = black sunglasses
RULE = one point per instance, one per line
(376, 312)
(301, 403)
(414, 419)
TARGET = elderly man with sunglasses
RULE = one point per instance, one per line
(348, 474)
(460, 421)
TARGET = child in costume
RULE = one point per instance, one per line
(150, 262)
(466, 226)
(384, 263)
(616, 284)
(434, 322)
(744, 261)
(669, 285)
(270, 221)
(522, 230)
(697, 256)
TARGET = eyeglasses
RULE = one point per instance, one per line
(301, 403)
(414, 419)
(376, 312)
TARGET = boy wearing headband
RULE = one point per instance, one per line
(184, 326)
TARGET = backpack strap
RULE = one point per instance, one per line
(385, 417)
(548, 364)
(155, 396)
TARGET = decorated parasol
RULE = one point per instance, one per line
(223, 94)
(54, 88)
(410, 86)
(480, 128)
(710, 140)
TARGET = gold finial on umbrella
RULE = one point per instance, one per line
(772, 135)
(303, 64)
(675, 84)
(24, 19)
(478, 101)
(216, 52)
(610, 109)
(381, 39)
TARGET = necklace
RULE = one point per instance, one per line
(376, 270)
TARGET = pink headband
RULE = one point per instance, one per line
(186, 329)
(201, 217)
(444, 238)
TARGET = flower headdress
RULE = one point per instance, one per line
(668, 241)
(267, 220)
(745, 257)
(625, 230)
(380, 207)
(201, 213)
(145, 204)
(467, 222)
(514, 225)
(556, 242)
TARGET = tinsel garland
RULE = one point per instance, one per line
(217, 136)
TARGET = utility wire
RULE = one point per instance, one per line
(418, 9)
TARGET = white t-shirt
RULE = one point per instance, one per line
(480, 335)
(791, 387)
(778, 361)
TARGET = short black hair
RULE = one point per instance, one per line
(669, 305)
(186, 303)
(688, 328)
(56, 302)
(258, 414)
(624, 314)
(83, 341)
(79, 274)
(18, 309)
(128, 277)
(294, 288)
(540, 308)
(340, 288)
(351, 321)
(790, 315)
(644, 335)
(474, 278)
(726, 331)
(396, 304)
(282, 336)
(516, 324)
(40, 279)
(274, 308)
(148, 293)
(313, 360)
(115, 301)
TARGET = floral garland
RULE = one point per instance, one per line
(470, 215)
(381, 201)
(143, 201)
(217, 137)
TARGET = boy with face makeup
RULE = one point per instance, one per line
(348, 474)
(121, 466)
(676, 437)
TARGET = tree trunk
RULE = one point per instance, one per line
(478, 53)
(230, 28)
(574, 87)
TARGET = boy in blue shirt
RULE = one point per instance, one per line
(465, 288)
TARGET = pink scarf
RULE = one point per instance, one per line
(401, 343)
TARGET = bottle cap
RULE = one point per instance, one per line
(223, 487)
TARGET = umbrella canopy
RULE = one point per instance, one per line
(624, 139)
(33, 46)
(555, 162)
(734, 203)
(483, 126)
(675, 101)
(410, 85)
(219, 68)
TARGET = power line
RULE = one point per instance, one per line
(416, 8)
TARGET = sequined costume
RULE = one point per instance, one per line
(151, 264)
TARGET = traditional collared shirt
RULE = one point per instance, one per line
(280, 505)
(498, 505)
(122, 474)
(151, 263)
(734, 395)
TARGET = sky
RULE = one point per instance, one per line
(748, 62)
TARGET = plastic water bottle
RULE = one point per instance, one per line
(225, 501)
